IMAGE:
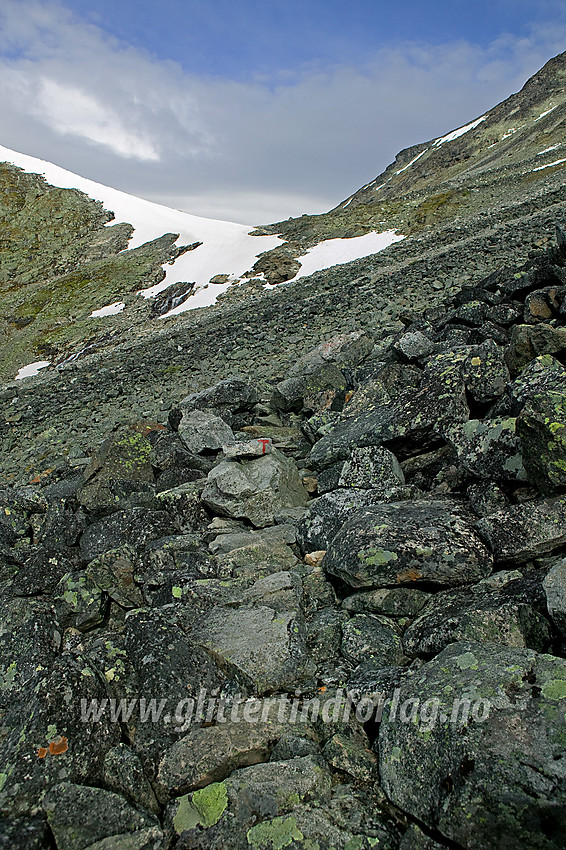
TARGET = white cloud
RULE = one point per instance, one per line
(253, 151)
(69, 110)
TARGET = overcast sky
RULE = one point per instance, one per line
(256, 110)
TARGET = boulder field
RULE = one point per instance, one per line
(329, 617)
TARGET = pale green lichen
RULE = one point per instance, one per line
(276, 833)
(554, 689)
(211, 802)
(377, 557)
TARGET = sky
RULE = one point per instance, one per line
(256, 111)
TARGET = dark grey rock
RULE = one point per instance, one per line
(541, 426)
(135, 527)
(408, 543)
(389, 601)
(231, 399)
(489, 450)
(555, 589)
(489, 771)
(264, 649)
(372, 468)
(524, 531)
(80, 817)
(371, 637)
(483, 613)
(119, 474)
(485, 372)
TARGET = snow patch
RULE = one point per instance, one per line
(418, 156)
(109, 310)
(335, 252)
(547, 150)
(227, 247)
(548, 165)
(455, 134)
(548, 111)
(31, 369)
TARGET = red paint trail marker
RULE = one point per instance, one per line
(265, 443)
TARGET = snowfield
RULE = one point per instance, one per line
(227, 247)
(334, 252)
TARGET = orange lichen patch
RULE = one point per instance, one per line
(348, 396)
(37, 478)
(60, 745)
(321, 690)
(42, 752)
(145, 428)
(409, 575)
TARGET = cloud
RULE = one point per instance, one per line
(69, 110)
(299, 141)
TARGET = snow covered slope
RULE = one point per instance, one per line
(227, 247)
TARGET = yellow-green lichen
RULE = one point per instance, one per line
(274, 834)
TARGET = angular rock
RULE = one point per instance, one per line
(231, 399)
(541, 426)
(119, 474)
(542, 374)
(47, 734)
(530, 341)
(79, 602)
(258, 490)
(486, 497)
(371, 468)
(371, 637)
(488, 771)
(210, 754)
(410, 417)
(489, 450)
(555, 589)
(321, 389)
(168, 664)
(113, 572)
(135, 528)
(408, 543)
(413, 345)
(204, 432)
(327, 514)
(123, 774)
(525, 531)
(389, 601)
(80, 817)
(263, 648)
(248, 449)
(481, 613)
(346, 350)
(485, 372)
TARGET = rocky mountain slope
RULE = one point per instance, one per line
(290, 571)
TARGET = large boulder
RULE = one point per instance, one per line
(259, 489)
(119, 474)
(201, 431)
(475, 748)
(541, 425)
(489, 450)
(555, 589)
(407, 418)
(408, 543)
(524, 531)
(499, 609)
(231, 399)
(264, 649)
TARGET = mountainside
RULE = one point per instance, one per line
(290, 570)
